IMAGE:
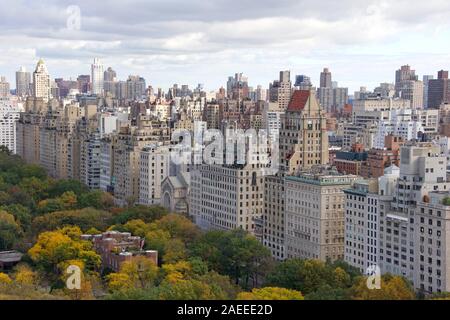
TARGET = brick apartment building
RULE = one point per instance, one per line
(116, 248)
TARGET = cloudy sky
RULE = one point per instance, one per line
(204, 41)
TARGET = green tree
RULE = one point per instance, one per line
(96, 199)
(144, 213)
(59, 187)
(308, 276)
(234, 253)
(85, 219)
(10, 231)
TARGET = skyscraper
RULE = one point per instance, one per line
(408, 86)
(84, 83)
(325, 79)
(426, 80)
(303, 137)
(4, 87)
(97, 77)
(280, 91)
(41, 81)
(303, 82)
(23, 82)
(439, 90)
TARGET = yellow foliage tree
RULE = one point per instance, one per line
(55, 247)
(137, 227)
(4, 279)
(179, 271)
(271, 293)
(392, 288)
(175, 250)
(140, 272)
(24, 275)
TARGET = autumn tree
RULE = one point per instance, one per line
(270, 293)
(25, 276)
(55, 247)
(392, 288)
(178, 226)
(139, 272)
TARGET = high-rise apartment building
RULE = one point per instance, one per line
(426, 79)
(314, 218)
(97, 76)
(135, 87)
(28, 127)
(361, 224)
(303, 82)
(154, 167)
(4, 88)
(439, 90)
(325, 79)
(41, 81)
(9, 115)
(431, 243)
(303, 143)
(422, 170)
(303, 136)
(280, 91)
(23, 82)
(408, 86)
(227, 197)
(130, 140)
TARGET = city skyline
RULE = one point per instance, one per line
(191, 43)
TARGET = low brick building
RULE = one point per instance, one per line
(117, 247)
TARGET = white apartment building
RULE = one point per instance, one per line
(9, 115)
(361, 224)
(422, 170)
(273, 216)
(399, 123)
(41, 81)
(107, 164)
(90, 160)
(97, 76)
(314, 218)
(227, 197)
(154, 166)
(432, 241)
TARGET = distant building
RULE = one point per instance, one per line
(23, 82)
(41, 81)
(97, 76)
(115, 248)
(439, 90)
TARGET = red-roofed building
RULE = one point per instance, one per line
(303, 133)
(298, 100)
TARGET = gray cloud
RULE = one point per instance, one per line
(181, 41)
